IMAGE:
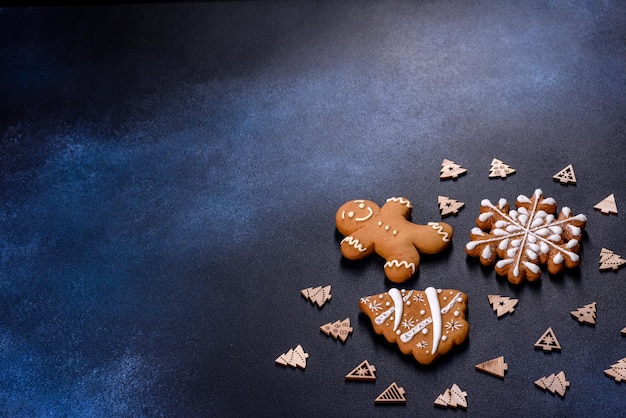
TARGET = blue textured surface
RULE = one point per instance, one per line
(170, 175)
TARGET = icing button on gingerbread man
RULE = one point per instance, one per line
(388, 232)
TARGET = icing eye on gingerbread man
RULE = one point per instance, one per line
(387, 232)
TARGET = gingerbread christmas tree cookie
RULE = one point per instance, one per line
(388, 232)
(527, 237)
(426, 323)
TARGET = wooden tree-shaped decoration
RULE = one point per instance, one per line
(548, 342)
(586, 314)
(566, 176)
(339, 330)
(495, 367)
(555, 383)
(317, 295)
(610, 261)
(393, 394)
(607, 205)
(500, 169)
(295, 357)
(451, 170)
(363, 371)
(449, 206)
(617, 371)
(452, 398)
(502, 305)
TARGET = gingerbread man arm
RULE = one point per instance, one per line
(433, 237)
(357, 245)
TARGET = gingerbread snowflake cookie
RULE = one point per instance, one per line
(426, 323)
(388, 232)
(527, 237)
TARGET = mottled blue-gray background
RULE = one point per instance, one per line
(170, 173)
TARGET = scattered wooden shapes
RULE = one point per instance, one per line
(609, 260)
(502, 305)
(452, 398)
(555, 383)
(565, 176)
(319, 295)
(586, 314)
(393, 394)
(449, 206)
(500, 169)
(548, 341)
(339, 330)
(495, 367)
(623, 332)
(451, 170)
(617, 371)
(607, 205)
(295, 357)
(363, 371)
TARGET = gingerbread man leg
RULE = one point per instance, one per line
(400, 267)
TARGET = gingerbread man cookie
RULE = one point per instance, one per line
(388, 232)
(426, 323)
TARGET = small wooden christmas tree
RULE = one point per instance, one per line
(363, 371)
(393, 394)
(452, 398)
(449, 206)
(339, 330)
(566, 176)
(610, 261)
(295, 357)
(502, 304)
(317, 295)
(495, 367)
(451, 170)
(548, 341)
(617, 371)
(607, 205)
(586, 314)
(555, 383)
(500, 169)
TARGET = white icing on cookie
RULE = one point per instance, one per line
(440, 231)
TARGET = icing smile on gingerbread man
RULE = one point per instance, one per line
(388, 232)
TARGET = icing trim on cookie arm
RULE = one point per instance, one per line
(440, 231)
(401, 201)
(354, 242)
(435, 311)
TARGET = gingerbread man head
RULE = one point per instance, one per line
(388, 232)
